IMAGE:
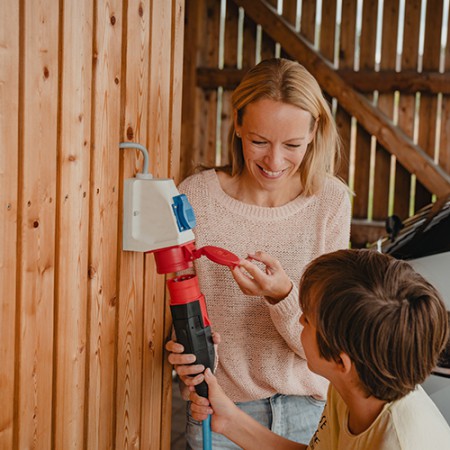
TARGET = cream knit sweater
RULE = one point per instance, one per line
(261, 353)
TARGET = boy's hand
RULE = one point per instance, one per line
(217, 404)
(273, 282)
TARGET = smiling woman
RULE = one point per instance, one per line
(279, 206)
(274, 138)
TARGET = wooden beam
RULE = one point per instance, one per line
(364, 81)
(365, 232)
(406, 81)
(410, 155)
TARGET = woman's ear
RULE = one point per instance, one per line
(237, 128)
(314, 130)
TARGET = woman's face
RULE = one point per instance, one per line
(275, 137)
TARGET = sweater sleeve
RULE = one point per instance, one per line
(338, 225)
(286, 318)
(286, 314)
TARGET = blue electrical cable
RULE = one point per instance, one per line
(207, 436)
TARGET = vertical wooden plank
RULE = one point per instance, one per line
(189, 105)
(231, 35)
(135, 75)
(176, 88)
(290, 11)
(267, 43)
(308, 20)
(73, 223)
(154, 286)
(363, 140)
(100, 420)
(199, 20)
(176, 84)
(9, 178)
(38, 142)
(207, 56)
(386, 105)
(428, 102)
(327, 45)
(346, 61)
(230, 60)
(290, 14)
(406, 107)
(444, 153)
(328, 29)
(249, 44)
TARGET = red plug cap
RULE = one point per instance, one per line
(218, 255)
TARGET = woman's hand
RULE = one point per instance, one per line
(217, 404)
(272, 283)
(189, 373)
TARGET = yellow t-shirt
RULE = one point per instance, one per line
(411, 423)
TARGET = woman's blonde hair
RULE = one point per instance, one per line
(289, 82)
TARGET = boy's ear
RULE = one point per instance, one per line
(345, 363)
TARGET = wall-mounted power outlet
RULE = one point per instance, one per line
(155, 215)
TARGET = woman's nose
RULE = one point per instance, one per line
(274, 157)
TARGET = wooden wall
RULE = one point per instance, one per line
(82, 323)
(409, 88)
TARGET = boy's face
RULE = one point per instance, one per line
(309, 342)
(315, 361)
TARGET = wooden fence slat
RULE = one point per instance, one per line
(154, 310)
(192, 31)
(230, 60)
(154, 285)
(444, 153)
(176, 84)
(9, 179)
(328, 29)
(406, 108)
(308, 21)
(100, 420)
(73, 224)
(135, 73)
(230, 52)
(267, 43)
(364, 139)
(290, 14)
(249, 44)
(38, 155)
(386, 105)
(346, 60)
(428, 103)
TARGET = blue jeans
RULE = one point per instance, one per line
(292, 417)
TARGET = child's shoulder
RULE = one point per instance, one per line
(418, 422)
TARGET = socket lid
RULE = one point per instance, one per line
(218, 255)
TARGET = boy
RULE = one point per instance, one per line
(374, 328)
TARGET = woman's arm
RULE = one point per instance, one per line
(279, 291)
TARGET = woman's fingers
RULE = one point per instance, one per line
(272, 282)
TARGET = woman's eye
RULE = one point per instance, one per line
(293, 145)
(258, 142)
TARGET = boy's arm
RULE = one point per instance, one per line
(232, 422)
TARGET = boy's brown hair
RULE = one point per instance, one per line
(385, 316)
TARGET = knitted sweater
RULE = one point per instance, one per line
(260, 353)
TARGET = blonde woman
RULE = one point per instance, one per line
(278, 206)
